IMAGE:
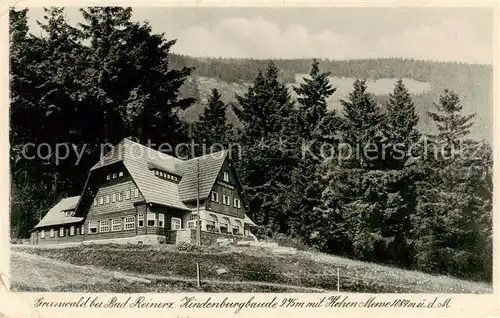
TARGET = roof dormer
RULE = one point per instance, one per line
(163, 173)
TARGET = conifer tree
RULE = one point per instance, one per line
(138, 92)
(25, 53)
(305, 188)
(212, 126)
(362, 126)
(452, 126)
(401, 125)
(354, 195)
(24, 109)
(264, 105)
(402, 136)
(266, 110)
(312, 98)
(45, 84)
(454, 203)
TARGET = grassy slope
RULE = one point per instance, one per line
(305, 269)
(33, 273)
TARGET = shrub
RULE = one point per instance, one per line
(287, 241)
(187, 247)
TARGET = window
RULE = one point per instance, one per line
(42, 234)
(107, 198)
(95, 201)
(157, 172)
(104, 226)
(225, 199)
(101, 200)
(151, 219)
(140, 220)
(115, 175)
(108, 177)
(237, 203)
(61, 232)
(120, 196)
(176, 224)
(136, 193)
(237, 227)
(82, 230)
(52, 233)
(116, 225)
(161, 220)
(191, 223)
(211, 223)
(120, 174)
(93, 227)
(127, 194)
(225, 176)
(72, 230)
(215, 197)
(224, 225)
(113, 197)
(129, 222)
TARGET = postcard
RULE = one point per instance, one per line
(256, 160)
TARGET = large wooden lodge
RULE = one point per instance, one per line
(136, 194)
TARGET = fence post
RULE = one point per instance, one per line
(338, 280)
(198, 278)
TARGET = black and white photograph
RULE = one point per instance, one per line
(251, 150)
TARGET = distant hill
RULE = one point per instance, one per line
(425, 79)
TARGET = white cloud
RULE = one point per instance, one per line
(452, 40)
(455, 38)
(258, 38)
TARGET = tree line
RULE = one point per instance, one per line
(237, 70)
(420, 206)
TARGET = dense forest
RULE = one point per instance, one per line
(425, 206)
(473, 82)
(236, 70)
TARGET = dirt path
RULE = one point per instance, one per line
(37, 271)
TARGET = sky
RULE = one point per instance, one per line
(439, 34)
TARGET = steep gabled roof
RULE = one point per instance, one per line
(56, 213)
(139, 160)
(210, 166)
(247, 220)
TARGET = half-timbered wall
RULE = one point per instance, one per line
(225, 188)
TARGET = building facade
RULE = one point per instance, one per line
(135, 194)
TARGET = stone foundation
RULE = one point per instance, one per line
(207, 238)
(214, 238)
(140, 239)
